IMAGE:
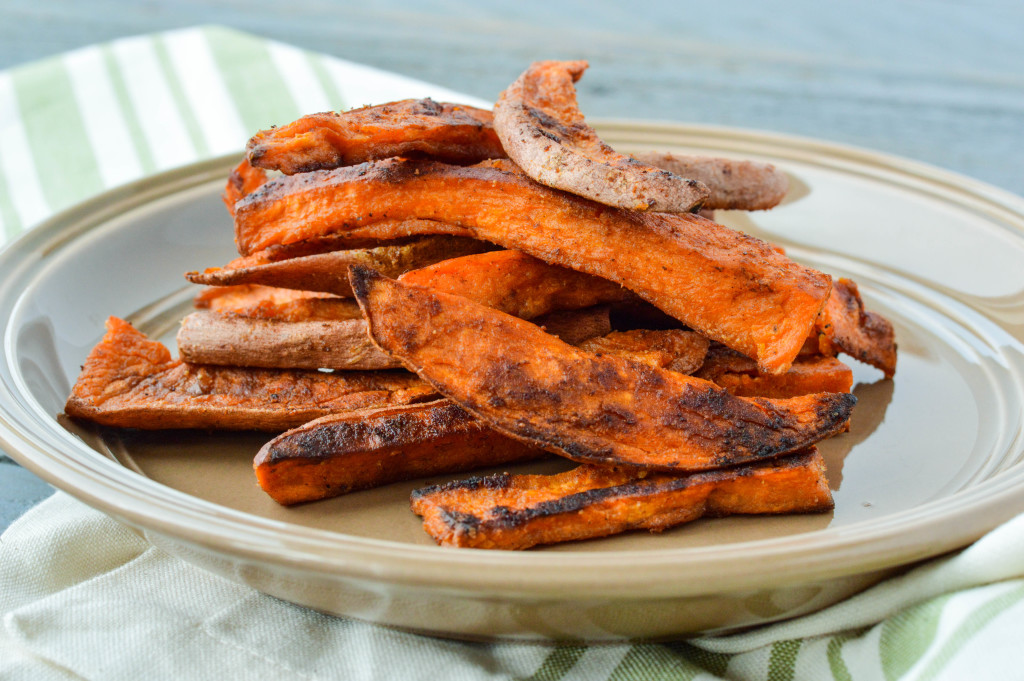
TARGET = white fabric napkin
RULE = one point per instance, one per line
(83, 597)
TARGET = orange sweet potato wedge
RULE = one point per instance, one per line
(358, 450)
(520, 511)
(808, 375)
(542, 129)
(516, 283)
(328, 272)
(367, 448)
(130, 381)
(730, 287)
(281, 304)
(242, 181)
(414, 127)
(732, 184)
(845, 326)
(593, 409)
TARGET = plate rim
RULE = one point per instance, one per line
(816, 555)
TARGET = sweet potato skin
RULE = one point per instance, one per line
(342, 345)
(328, 272)
(129, 381)
(542, 129)
(593, 409)
(358, 450)
(339, 344)
(732, 184)
(452, 132)
(729, 286)
(521, 511)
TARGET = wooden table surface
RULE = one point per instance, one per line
(939, 81)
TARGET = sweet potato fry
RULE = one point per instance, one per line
(542, 130)
(212, 338)
(516, 283)
(609, 410)
(413, 127)
(808, 375)
(281, 304)
(728, 286)
(519, 511)
(385, 232)
(357, 450)
(328, 272)
(672, 349)
(845, 326)
(242, 181)
(362, 449)
(338, 344)
(129, 381)
(733, 185)
(507, 280)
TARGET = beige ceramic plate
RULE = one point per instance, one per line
(931, 463)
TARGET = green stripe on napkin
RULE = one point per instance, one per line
(64, 162)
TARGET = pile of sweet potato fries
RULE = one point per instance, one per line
(427, 288)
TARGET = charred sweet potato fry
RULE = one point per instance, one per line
(129, 381)
(542, 130)
(732, 184)
(808, 375)
(845, 326)
(357, 450)
(242, 181)
(672, 349)
(516, 283)
(592, 409)
(328, 272)
(413, 127)
(729, 286)
(519, 511)
(368, 448)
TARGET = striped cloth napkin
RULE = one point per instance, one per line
(83, 597)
